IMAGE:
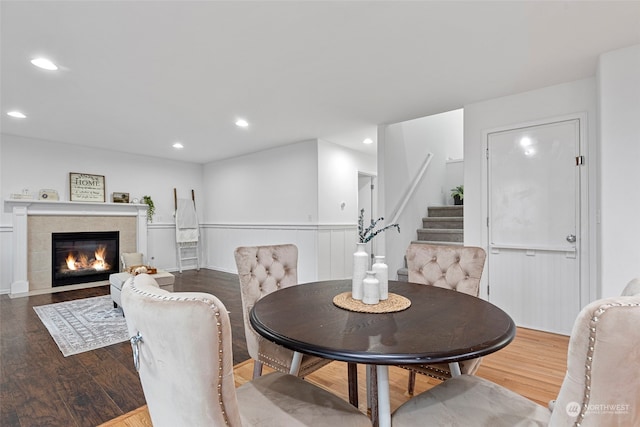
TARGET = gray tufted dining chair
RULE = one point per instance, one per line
(182, 348)
(599, 387)
(262, 270)
(458, 268)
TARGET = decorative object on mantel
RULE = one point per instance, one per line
(84, 187)
(360, 257)
(392, 304)
(48, 194)
(382, 274)
(120, 197)
(151, 210)
(25, 195)
(458, 195)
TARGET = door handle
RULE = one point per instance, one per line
(571, 238)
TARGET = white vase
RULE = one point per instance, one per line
(360, 266)
(382, 274)
(371, 287)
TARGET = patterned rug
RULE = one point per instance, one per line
(85, 324)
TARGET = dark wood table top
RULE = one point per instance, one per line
(439, 326)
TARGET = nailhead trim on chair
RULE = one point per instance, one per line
(589, 361)
(220, 366)
(278, 366)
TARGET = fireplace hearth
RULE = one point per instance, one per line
(82, 257)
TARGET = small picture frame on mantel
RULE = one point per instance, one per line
(120, 197)
(84, 187)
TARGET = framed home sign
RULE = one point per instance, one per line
(86, 188)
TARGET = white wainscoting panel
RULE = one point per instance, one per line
(336, 245)
(321, 251)
(162, 247)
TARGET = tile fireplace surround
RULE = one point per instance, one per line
(35, 220)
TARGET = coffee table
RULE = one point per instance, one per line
(440, 326)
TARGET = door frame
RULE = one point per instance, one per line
(587, 204)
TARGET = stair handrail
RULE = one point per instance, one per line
(409, 193)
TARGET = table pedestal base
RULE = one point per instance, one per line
(384, 405)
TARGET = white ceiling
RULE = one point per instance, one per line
(137, 76)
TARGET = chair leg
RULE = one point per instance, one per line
(454, 368)
(295, 363)
(411, 384)
(352, 374)
(257, 369)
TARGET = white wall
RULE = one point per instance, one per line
(453, 176)
(36, 164)
(289, 194)
(263, 198)
(619, 183)
(338, 169)
(402, 151)
(276, 186)
(286, 194)
(550, 102)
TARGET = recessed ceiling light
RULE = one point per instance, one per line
(178, 145)
(368, 141)
(242, 123)
(44, 63)
(16, 114)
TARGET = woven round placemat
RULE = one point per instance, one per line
(390, 305)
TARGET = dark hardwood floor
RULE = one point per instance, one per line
(40, 387)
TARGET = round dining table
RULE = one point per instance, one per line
(438, 326)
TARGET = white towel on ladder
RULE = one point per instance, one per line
(186, 222)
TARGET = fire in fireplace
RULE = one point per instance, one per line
(83, 257)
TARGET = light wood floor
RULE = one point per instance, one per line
(533, 365)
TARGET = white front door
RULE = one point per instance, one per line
(534, 224)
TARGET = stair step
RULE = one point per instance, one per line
(448, 211)
(454, 222)
(440, 235)
(434, 242)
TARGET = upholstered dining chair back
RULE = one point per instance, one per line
(458, 268)
(182, 346)
(185, 357)
(601, 387)
(261, 271)
(452, 267)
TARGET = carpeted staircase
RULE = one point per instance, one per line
(442, 226)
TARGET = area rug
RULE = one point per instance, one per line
(85, 324)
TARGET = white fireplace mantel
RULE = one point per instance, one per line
(21, 209)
